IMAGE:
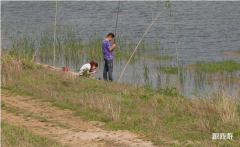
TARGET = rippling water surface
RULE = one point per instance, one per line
(203, 31)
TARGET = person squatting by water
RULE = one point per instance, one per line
(87, 69)
(107, 50)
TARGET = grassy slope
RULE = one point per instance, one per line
(14, 136)
(163, 116)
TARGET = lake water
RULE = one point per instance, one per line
(203, 31)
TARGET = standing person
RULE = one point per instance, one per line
(107, 50)
(87, 69)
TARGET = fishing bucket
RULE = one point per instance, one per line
(64, 68)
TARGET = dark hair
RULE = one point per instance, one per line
(93, 63)
(110, 34)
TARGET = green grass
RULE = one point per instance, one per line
(211, 67)
(168, 69)
(162, 115)
(12, 136)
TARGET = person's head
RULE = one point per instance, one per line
(110, 36)
(93, 64)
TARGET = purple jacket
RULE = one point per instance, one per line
(108, 55)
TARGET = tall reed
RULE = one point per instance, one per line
(55, 27)
(175, 43)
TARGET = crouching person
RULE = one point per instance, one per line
(87, 69)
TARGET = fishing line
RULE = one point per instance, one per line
(115, 31)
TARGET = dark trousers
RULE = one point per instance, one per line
(108, 69)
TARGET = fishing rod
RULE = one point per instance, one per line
(115, 32)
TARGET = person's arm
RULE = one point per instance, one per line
(93, 72)
(112, 47)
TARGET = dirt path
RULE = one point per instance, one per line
(61, 125)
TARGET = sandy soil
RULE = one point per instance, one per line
(62, 126)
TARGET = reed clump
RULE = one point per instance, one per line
(71, 48)
(211, 67)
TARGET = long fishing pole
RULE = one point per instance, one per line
(115, 32)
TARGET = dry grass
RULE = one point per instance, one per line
(221, 78)
(226, 106)
(230, 53)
